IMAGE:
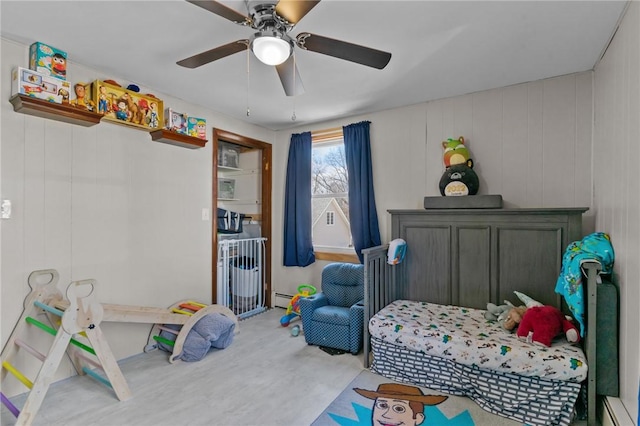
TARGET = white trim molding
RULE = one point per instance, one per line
(614, 413)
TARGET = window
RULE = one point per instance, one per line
(330, 194)
(331, 218)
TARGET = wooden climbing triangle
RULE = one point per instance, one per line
(82, 315)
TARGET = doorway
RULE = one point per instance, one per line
(264, 149)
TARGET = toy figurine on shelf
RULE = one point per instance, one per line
(175, 121)
(65, 96)
(127, 105)
(153, 114)
(197, 127)
(134, 110)
(121, 110)
(103, 103)
(81, 100)
(59, 65)
(201, 131)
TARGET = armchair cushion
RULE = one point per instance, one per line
(332, 315)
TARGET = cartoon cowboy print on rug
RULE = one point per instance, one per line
(398, 404)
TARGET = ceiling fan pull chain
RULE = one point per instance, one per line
(293, 116)
(248, 82)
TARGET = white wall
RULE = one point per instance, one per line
(104, 202)
(530, 142)
(617, 186)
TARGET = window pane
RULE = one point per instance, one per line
(329, 170)
(330, 202)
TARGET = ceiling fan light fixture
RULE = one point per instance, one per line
(271, 48)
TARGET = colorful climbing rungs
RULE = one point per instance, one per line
(9, 405)
(163, 340)
(48, 308)
(11, 369)
(190, 305)
(96, 376)
(53, 332)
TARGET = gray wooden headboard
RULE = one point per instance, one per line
(470, 257)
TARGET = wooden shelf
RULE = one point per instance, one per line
(173, 138)
(45, 109)
(228, 170)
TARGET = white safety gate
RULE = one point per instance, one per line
(241, 279)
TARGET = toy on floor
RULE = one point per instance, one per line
(293, 310)
(295, 330)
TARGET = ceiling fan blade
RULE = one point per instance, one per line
(222, 10)
(294, 10)
(214, 54)
(343, 50)
(286, 72)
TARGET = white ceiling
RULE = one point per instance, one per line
(439, 49)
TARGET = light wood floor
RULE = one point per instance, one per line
(265, 377)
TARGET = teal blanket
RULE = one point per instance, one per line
(594, 247)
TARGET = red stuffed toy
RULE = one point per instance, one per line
(545, 323)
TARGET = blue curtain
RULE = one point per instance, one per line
(363, 215)
(298, 245)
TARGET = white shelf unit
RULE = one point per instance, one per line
(225, 169)
(247, 188)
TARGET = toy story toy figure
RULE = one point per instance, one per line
(59, 66)
(153, 114)
(103, 104)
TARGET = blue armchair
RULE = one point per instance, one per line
(334, 317)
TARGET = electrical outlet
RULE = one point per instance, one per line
(6, 209)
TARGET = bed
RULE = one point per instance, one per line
(453, 349)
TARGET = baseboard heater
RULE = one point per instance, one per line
(282, 300)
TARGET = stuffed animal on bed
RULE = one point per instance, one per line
(500, 314)
(497, 312)
(513, 318)
(541, 324)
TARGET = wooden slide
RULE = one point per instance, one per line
(185, 313)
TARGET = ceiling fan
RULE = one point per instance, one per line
(271, 43)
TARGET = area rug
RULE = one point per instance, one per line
(394, 403)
